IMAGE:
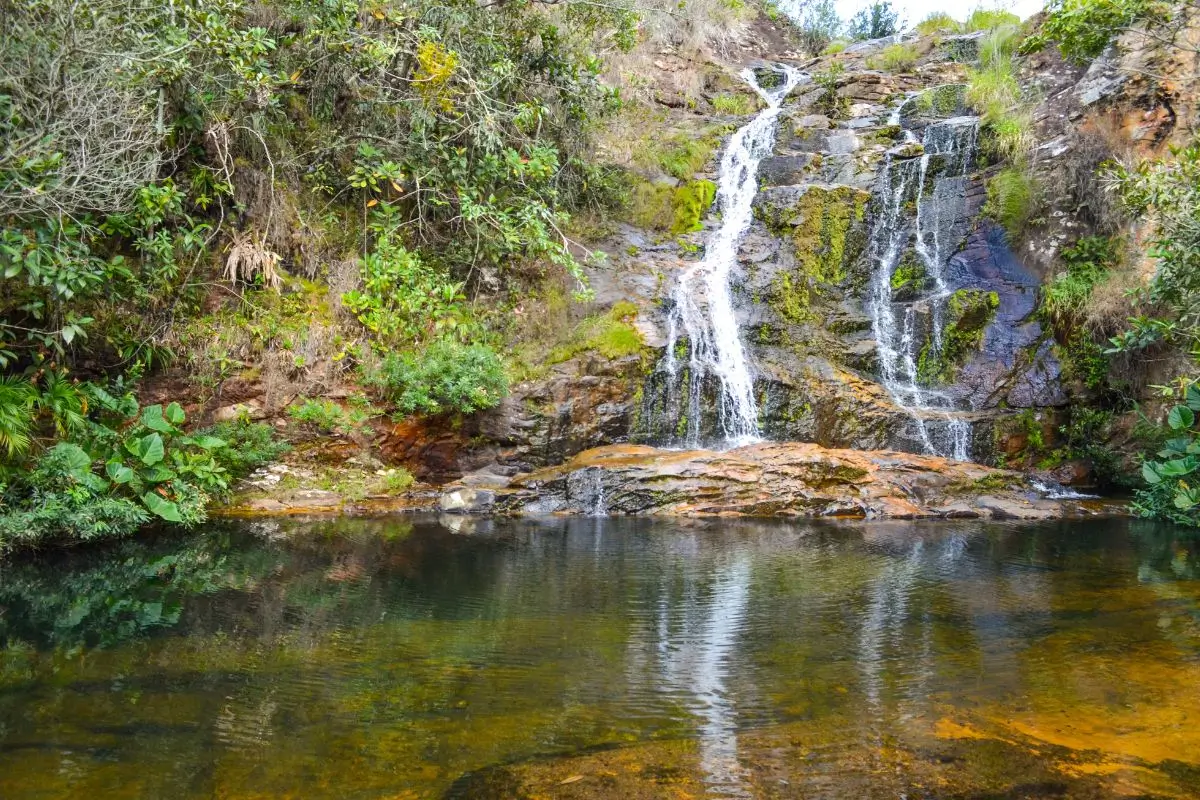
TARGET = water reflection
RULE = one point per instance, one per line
(375, 658)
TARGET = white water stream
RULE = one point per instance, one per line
(940, 429)
(702, 309)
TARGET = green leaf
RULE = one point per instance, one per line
(1150, 473)
(1186, 498)
(75, 457)
(209, 442)
(152, 450)
(157, 474)
(1176, 468)
(175, 414)
(162, 507)
(1193, 397)
(152, 418)
(1181, 418)
(118, 473)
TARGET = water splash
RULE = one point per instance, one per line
(702, 305)
(902, 180)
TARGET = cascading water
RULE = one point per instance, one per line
(902, 182)
(702, 307)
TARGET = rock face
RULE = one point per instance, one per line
(769, 479)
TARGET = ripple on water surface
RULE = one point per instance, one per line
(607, 658)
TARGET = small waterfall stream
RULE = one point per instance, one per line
(909, 212)
(702, 307)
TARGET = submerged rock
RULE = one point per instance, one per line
(770, 479)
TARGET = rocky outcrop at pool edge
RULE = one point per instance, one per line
(766, 479)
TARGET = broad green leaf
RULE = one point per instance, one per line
(1175, 447)
(152, 418)
(68, 333)
(174, 414)
(1176, 468)
(157, 474)
(1193, 397)
(118, 472)
(152, 450)
(209, 442)
(1186, 498)
(162, 507)
(76, 459)
(1150, 473)
(1181, 418)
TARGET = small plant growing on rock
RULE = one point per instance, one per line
(829, 102)
(737, 104)
(894, 58)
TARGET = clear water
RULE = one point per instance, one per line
(702, 305)
(589, 658)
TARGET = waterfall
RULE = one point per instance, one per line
(702, 305)
(902, 181)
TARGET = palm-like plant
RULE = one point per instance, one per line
(17, 398)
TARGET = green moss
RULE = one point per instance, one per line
(995, 482)
(612, 335)
(968, 312)
(909, 278)
(942, 101)
(679, 209)
(689, 203)
(680, 155)
(825, 225)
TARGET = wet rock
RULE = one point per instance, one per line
(252, 410)
(467, 500)
(775, 480)
(786, 170)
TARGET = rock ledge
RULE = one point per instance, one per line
(769, 479)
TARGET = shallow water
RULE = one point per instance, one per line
(398, 658)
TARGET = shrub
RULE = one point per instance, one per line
(829, 102)
(1083, 28)
(894, 58)
(819, 25)
(446, 376)
(328, 416)
(1065, 298)
(874, 21)
(1173, 475)
(17, 398)
(983, 19)
(1012, 198)
(937, 22)
(833, 48)
(250, 445)
(403, 298)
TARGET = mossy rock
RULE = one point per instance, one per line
(968, 314)
(939, 102)
(909, 278)
(827, 228)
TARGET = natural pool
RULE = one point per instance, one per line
(401, 658)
